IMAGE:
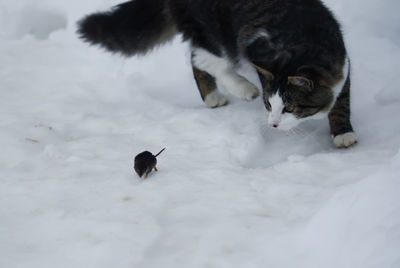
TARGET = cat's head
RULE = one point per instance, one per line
(293, 99)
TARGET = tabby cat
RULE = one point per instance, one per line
(296, 47)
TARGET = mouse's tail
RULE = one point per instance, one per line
(160, 152)
(131, 28)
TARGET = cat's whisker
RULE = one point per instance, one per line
(293, 132)
(298, 132)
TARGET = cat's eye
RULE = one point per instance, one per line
(268, 105)
(288, 109)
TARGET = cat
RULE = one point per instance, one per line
(296, 47)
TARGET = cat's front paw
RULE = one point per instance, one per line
(345, 140)
(215, 99)
(245, 90)
(240, 87)
(250, 92)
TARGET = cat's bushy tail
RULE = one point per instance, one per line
(131, 28)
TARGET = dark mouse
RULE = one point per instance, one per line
(145, 163)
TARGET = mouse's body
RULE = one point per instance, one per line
(145, 163)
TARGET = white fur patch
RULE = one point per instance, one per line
(277, 107)
(345, 140)
(223, 70)
(215, 99)
(238, 86)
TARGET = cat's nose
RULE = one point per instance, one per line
(274, 125)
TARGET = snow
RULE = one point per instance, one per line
(230, 191)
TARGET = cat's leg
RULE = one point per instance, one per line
(339, 119)
(208, 89)
(223, 70)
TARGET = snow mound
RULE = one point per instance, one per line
(35, 21)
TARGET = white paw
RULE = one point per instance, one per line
(345, 140)
(238, 86)
(244, 90)
(215, 99)
(250, 92)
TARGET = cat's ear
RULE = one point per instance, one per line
(301, 81)
(267, 74)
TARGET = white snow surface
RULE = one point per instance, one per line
(230, 192)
